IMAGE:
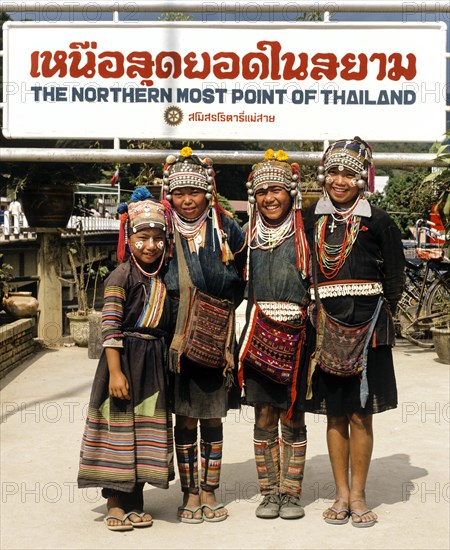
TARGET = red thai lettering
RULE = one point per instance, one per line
(228, 68)
(191, 61)
(326, 64)
(255, 65)
(398, 71)
(300, 72)
(141, 64)
(349, 62)
(168, 65)
(113, 67)
(41, 64)
(275, 50)
(78, 70)
(381, 57)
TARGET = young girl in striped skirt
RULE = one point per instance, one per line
(127, 440)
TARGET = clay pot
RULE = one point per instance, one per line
(20, 304)
(441, 340)
(48, 204)
(79, 329)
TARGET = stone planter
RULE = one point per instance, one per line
(79, 329)
(441, 340)
(20, 304)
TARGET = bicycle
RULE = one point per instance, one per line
(425, 301)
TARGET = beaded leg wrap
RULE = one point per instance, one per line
(187, 459)
(292, 455)
(267, 457)
(211, 444)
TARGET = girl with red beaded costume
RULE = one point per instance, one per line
(358, 265)
(275, 333)
(210, 241)
(128, 438)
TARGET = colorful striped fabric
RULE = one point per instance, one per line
(211, 463)
(127, 448)
(292, 466)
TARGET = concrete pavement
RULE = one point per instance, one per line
(43, 406)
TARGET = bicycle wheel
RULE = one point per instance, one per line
(415, 329)
(437, 300)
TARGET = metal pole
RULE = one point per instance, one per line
(220, 156)
(229, 6)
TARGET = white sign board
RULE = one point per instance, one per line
(188, 80)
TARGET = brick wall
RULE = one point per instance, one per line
(16, 344)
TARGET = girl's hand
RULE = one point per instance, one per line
(118, 385)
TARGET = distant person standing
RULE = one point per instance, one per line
(15, 209)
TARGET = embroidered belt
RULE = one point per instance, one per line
(348, 289)
(282, 311)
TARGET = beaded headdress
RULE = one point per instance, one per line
(273, 171)
(142, 212)
(188, 170)
(350, 154)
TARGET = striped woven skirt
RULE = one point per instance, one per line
(129, 441)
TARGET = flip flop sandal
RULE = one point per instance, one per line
(362, 523)
(122, 527)
(214, 509)
(336, 520)
(147, 523)
(182, 509)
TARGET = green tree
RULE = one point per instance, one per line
(400, 198)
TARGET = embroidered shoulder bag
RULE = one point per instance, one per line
(205, 323)
(272, 347)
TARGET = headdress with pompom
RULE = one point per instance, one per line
(188, 170)
(143, 212)
(350, 154)
(274, 170)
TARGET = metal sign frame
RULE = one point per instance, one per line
(51, 11)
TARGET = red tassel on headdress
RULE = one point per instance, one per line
(371, 178)
(121, 244)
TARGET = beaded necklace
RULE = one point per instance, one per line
(189, 229)
(268, 237)
(331, 257)
(142, 270)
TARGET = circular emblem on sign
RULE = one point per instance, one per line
(173, 115)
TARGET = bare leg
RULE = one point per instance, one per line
(361, 445)
(339, 452)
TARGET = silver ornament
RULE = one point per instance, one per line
(361, 184)
(321, 178)
(208, 196)
(251, 200)
(293, 192)
(248, 184)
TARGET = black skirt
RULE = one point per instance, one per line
(338, 396)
